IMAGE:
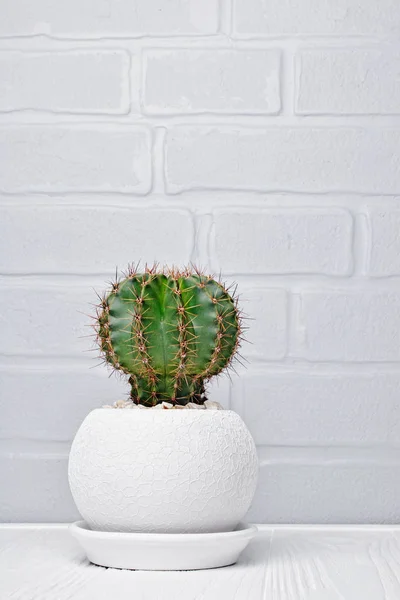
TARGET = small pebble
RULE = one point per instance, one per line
(211, 405)
(208, 404)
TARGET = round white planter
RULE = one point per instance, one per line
(165, 471)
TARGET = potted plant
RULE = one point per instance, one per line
(170, 462)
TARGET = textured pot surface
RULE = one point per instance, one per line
(163, 470)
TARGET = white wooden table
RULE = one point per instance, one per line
(282, 563)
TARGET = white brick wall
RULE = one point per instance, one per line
(91, 239)
(101, 20)
(58, 81)
(179, 81)
(348, 81)
(334, 490)
(303, 159)
(75, 158)
(273, 241)
(315, 17)
(260, 138)
(358, 326)
(32, 326)
(296, 407)
(267, 313)
(75, 393)
(384, 242)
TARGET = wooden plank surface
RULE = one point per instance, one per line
(282, 563)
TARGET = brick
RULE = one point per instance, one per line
(126, 18)
(275, 241)
(351, 326)
(316, 17)
(72, 158)
(267, 325)
(41, 479)
(302, 159)
(351, 81)
(384, 242)
(54, 401)
(339, 492)
(84, 239)
(47, 321)
(212, 81)
(83, 81)
(297, 408)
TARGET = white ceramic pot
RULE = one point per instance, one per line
(175, 471)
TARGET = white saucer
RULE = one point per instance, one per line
(162, 551)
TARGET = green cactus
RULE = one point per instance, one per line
(170, 331)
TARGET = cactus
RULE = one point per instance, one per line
(169, 331)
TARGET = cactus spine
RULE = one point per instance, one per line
(170, 331)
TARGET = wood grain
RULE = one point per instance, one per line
(282, 563)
